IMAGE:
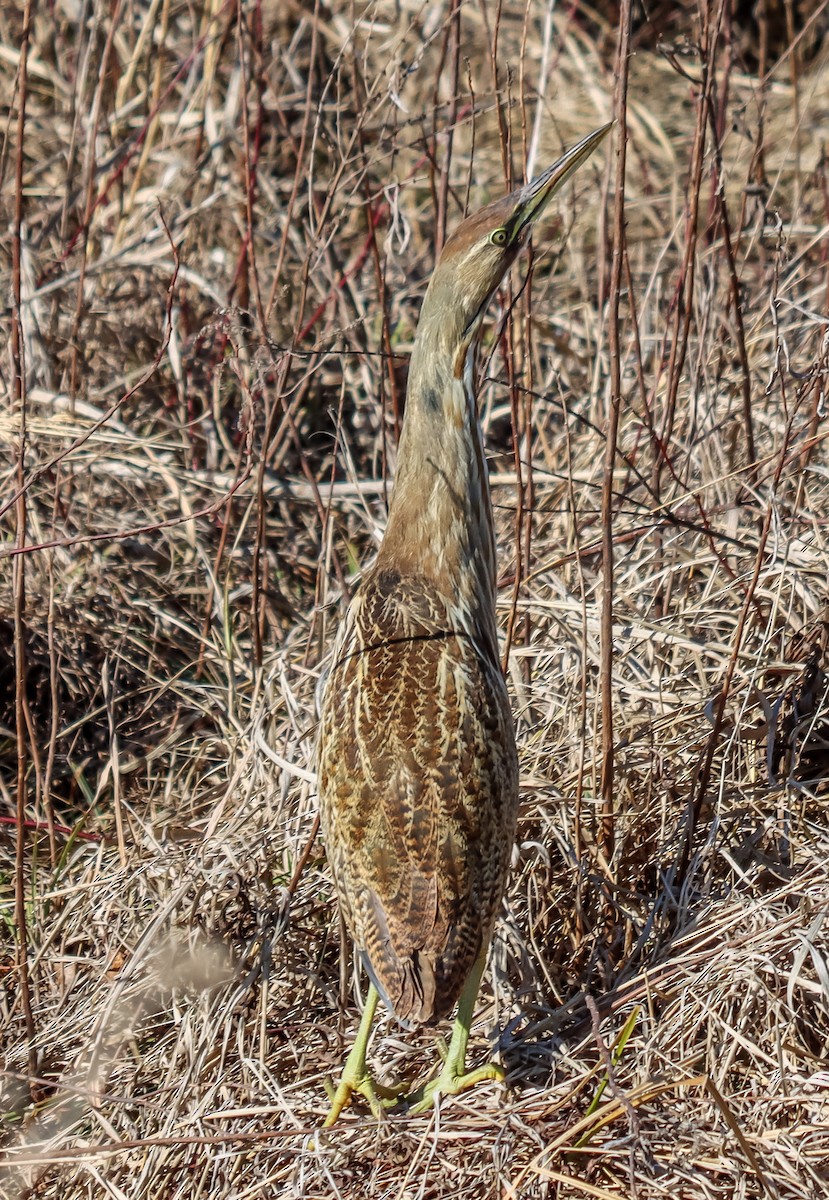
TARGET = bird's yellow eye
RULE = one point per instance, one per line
(498, 237)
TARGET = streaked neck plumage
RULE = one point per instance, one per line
(440, 519)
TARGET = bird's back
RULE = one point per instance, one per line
(418, 783)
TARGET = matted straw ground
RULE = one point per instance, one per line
(205, 186)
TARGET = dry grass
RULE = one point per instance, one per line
(205, 186)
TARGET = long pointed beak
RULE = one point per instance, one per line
(533, 198)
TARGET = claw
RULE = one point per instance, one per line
(448, 1083)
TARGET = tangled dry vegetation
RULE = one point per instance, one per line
(228, 214)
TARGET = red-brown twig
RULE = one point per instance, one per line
(606, 829)
(19, 573)
(89, 205)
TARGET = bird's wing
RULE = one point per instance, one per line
(419, 799)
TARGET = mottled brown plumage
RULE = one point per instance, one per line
(417, 765)
(424, 789)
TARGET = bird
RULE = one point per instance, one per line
(416, 754)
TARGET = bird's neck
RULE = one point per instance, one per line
(440, 519)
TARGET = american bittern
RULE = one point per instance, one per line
(418, 773)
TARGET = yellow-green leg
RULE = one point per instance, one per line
(453, 1078)
(355, 1076)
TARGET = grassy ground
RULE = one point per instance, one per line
(217, 230)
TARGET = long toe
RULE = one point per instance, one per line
(450, 1084)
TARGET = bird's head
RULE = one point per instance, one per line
(482, 249)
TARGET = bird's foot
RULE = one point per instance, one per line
(379, 1096)
(451, 1081)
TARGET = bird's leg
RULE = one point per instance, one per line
(355, 1076)
(453, 1077)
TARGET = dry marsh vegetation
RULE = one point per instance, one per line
(218, 222)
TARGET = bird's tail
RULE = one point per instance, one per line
(407, 987)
